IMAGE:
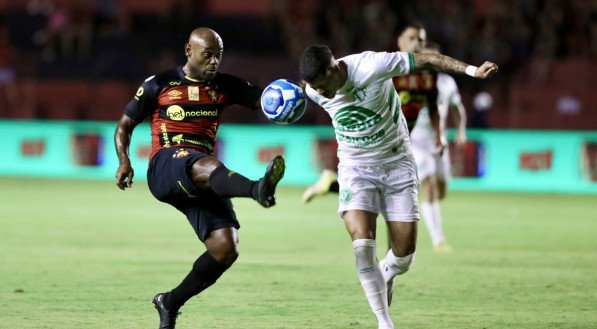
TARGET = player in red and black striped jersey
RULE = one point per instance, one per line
(184, 106)
(417, 91)
(185, 112)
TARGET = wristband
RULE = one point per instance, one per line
(470, 70)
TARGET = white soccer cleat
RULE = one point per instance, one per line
(442, 247)
(390, 284)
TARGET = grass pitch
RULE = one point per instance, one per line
(81, 254)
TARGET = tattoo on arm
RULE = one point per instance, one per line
(438, 62)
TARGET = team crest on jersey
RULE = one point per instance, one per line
(181, 153)
(213, 95)
(193, 93)
(345, 195)
(174, 94)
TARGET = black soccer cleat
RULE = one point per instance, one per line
(267, 184)
(167, 317)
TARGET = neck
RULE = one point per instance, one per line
(188, 72)
(343, 70)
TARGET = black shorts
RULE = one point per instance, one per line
(169, 180)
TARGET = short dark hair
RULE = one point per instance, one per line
(408, 24)
(314, 62)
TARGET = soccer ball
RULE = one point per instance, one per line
(283, 102)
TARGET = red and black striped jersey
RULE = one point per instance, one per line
(186, 112)
(416, 91)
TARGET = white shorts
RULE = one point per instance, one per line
(427, 162)
(390, 189)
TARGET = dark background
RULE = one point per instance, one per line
(84, 59)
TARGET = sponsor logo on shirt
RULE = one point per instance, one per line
(177, 113)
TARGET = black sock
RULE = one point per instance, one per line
(206, 270)
(228, 184)
(335, 187)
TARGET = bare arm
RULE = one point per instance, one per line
(460, 123)
(122, 140)
(443, 63)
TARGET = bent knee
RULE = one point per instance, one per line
(225, 254)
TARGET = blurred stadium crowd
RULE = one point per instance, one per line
(82, 59)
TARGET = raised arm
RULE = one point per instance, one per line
(122, 140)
(443, 63)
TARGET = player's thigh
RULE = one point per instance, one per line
(209, 213)
(430, 188)
(403, 237)
(360, 224)
(168, 174)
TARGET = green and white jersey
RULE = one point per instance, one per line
(369, 125)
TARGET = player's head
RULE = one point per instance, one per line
(411, 37)
(321, 71)
(204, 53)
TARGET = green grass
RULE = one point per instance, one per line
(83, 254)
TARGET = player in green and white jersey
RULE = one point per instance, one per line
(377, 172)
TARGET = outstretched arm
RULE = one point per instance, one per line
(443, 63)
(122, 140)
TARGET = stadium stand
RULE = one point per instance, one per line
(545, 49)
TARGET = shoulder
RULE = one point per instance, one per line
(170, 77)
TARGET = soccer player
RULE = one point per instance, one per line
(377, 171)
(434, 167)
(184, 106)
(416, 90)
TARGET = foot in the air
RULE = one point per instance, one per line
(267, 184)
(167, 317)
(321, 187)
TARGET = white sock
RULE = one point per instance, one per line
(372, 280)
(395, 265)
(433, 221)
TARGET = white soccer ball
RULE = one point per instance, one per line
(283, 101)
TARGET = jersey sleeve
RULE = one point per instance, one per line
(393, 64)
(242, 92)
(145, 101)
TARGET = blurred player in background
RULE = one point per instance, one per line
(377, 172)
(434, 167)
(184, 105)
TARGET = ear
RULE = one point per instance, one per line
(187, 50)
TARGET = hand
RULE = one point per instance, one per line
(486, 70)
(124, 176)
